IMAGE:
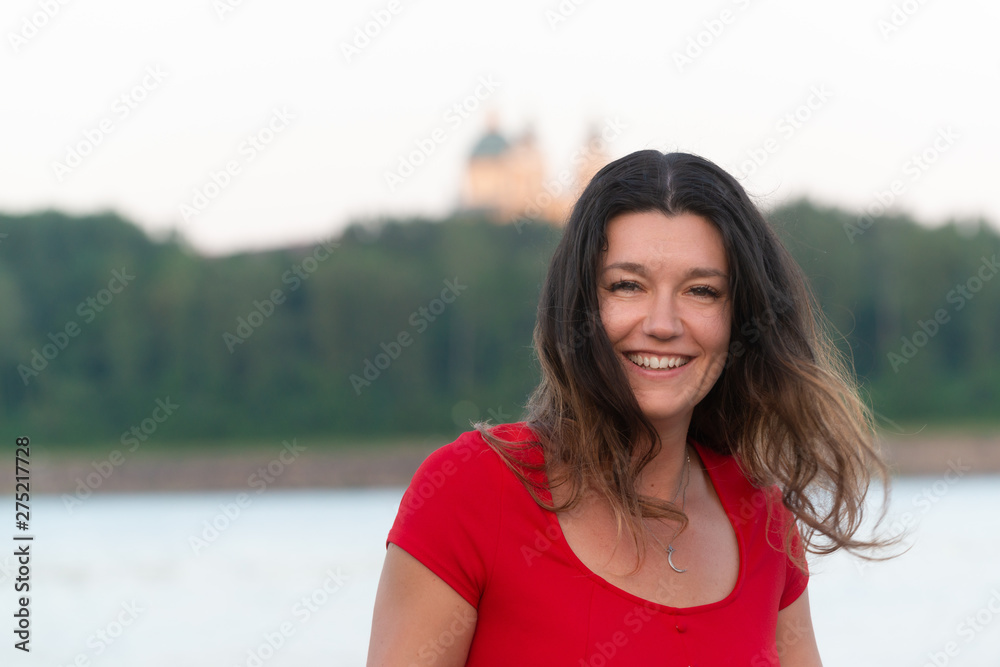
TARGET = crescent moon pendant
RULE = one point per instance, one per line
(670, 560)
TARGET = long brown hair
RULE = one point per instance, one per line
(786, 404)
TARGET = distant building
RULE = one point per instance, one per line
(507, 180)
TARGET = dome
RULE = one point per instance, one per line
(491, 145)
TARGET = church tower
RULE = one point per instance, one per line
(507, 179)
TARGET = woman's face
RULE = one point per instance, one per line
(664, 299)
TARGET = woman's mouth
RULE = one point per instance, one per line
(655, 362)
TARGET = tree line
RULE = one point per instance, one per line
(416, 326)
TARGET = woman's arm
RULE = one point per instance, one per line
(419, 619)
(795, 640)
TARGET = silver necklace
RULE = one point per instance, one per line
(669, 547)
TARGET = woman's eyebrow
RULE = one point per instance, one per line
(705, 272)
(693, 272)
(632, 267)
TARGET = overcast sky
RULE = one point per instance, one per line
(263, 123)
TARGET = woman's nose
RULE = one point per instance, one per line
(663, 319)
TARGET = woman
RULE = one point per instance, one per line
(691, 418)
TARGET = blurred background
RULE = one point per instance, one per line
(258, 259)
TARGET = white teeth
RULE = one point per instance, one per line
(658, 362)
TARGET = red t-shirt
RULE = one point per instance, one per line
(471, 521)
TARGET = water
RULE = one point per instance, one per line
(118, 581)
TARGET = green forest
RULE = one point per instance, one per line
(408, 327)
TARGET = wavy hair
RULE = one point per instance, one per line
(786, 404)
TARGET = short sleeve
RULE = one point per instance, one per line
(449, 516)
(795, 579)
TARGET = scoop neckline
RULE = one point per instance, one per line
(727, 507)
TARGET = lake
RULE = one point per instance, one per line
(288, 578)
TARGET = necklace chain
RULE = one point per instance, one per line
(669, 547)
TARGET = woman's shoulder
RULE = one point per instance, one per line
(450, 516)
(470, 455)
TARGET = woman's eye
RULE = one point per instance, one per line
(705, 291)
(624, 286)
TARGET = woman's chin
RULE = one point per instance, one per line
(667, 417)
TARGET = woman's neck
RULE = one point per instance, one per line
(660, 477)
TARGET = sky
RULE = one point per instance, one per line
(247, 124)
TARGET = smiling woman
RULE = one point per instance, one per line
(678, 459)
(663, 295)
